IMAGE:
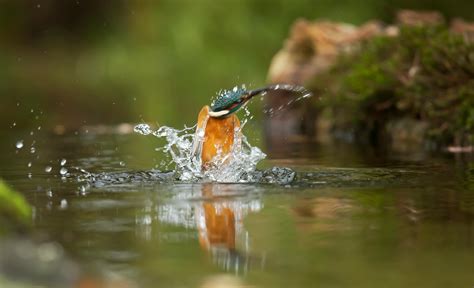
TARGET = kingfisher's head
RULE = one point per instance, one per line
(230, 101)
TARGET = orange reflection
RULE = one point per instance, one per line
(219, 223)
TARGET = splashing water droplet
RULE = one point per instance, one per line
(49, 193)
(121, 163)
(143, 129)
(63, 204)
(30, 175)
(291, 88)
(63, 162)
(32, 150)
(48, 169)
(19, 144)
(29, 164)
(63, 171)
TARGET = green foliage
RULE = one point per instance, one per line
(426, 73)
(14, 210)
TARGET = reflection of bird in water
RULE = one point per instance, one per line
(217, 212)
(217, 227)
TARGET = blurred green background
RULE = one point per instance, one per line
(82, 62)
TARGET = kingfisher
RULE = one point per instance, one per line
(219, 126)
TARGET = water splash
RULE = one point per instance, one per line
(184, 147)
(19, 144)
(291, 88)
(63, 171)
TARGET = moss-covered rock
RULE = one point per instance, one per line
(424, 74)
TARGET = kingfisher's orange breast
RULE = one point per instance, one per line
(218, 134)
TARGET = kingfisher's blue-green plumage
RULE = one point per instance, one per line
(227, 98)
(229, 101)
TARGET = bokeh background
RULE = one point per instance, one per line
(88, 62)
(74, 63)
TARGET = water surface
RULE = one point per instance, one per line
(351, 218)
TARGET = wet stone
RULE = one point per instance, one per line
(278, 175)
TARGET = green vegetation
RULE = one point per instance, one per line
(15, 212)
(426, 74)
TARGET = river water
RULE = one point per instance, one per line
(350, 218)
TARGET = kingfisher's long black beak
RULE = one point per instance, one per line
(250, 94)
